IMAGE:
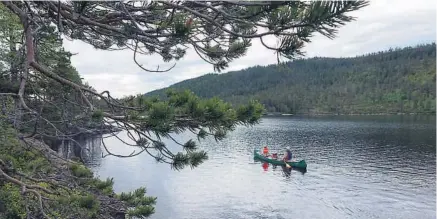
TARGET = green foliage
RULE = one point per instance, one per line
(142, 211)
(393, 81)
(105, 186)
(9, 35)
(12, 202)
(159, 119)
(49, 51)
(197, 158)
(220, 32)
(79, 202)
(190, 146)
(80, 170)
(213, 113)
(141, 205)
(181, 111)
(250, 113)
(202, 134)
(87, 201)
(192, 159)
(86, 205)
(97, 116)
(20, 159)
(142, 142)
(179, 25)
(218, 41)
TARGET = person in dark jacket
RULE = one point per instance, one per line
(288, 155)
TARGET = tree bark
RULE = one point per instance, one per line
(14, 71)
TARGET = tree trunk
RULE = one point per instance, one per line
(14, 59)
(14, 71)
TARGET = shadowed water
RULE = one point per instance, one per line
(358, 167)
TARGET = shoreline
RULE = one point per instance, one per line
(345, 114)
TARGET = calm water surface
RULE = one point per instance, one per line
(358, 167)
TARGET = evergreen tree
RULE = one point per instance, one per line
(400, 80)
(57, 104)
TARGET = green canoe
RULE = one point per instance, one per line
(301, 164)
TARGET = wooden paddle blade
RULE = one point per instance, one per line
(287, 165)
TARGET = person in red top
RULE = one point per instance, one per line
(266, 151)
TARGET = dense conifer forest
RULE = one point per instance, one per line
(400, 80)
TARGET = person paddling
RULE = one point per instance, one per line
(275, 156)
(287, 155)
(266, 151)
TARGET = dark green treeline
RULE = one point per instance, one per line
(400, 80)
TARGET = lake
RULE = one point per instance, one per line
(358, 167)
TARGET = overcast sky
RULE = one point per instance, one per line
(379, 26)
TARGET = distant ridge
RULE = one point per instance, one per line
(400, 80)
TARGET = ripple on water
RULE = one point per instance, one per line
(356, 169)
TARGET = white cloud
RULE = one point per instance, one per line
(382, 24)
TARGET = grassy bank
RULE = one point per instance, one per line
(36, 183)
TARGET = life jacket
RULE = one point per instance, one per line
(265, 150)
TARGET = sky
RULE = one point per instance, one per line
(379, 26)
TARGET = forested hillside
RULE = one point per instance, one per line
(400, 80)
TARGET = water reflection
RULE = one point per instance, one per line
(287, 171)
(265, 166)
(359, 167)
(86, 148)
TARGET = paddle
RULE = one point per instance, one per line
(287, 165)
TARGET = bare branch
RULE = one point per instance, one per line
(139, 65)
